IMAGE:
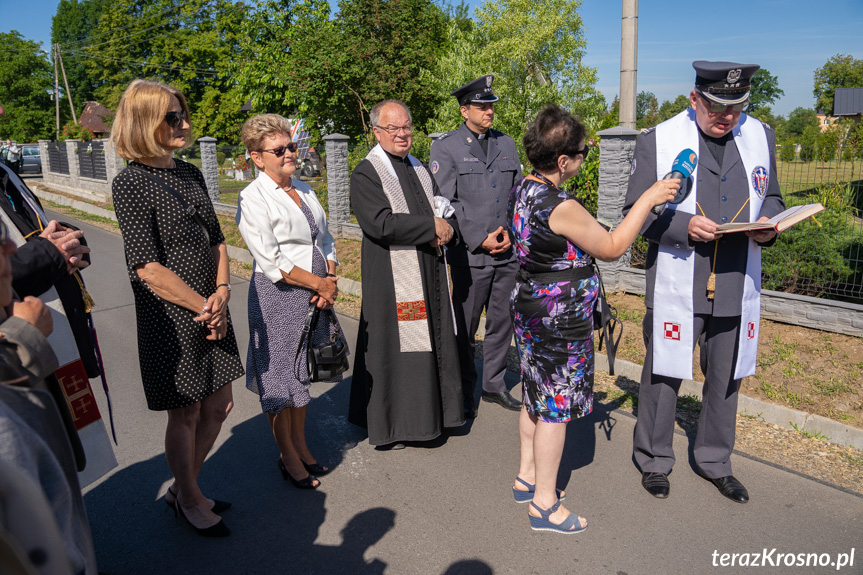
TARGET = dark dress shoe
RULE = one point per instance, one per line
(395, 446)
(656, 483)
(503, 399)
(731, 488)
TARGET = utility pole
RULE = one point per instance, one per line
(57, 89)
(66, 83)
(628, 63)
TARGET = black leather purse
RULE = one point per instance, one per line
(328, 359)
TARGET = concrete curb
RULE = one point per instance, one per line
(834, 431)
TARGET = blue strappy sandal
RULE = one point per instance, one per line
(544, 523)
(525, 496)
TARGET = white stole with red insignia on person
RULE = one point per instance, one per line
(73, 376)
(411, 313)
(673, 309)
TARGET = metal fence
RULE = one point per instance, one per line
(822, 257)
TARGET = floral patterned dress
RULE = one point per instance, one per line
(552, 318)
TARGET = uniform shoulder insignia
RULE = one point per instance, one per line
(767, 126)
(648, 130)
(444, 135)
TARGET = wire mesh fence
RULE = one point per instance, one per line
(822, 257)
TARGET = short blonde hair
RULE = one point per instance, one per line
(262, 126)
(139, 114)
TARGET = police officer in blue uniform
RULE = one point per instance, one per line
(475, 168)
(722, 195)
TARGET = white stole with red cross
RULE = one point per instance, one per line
(673, 310)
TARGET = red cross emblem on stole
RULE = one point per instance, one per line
(79, 396)
(750, 330)
(672, 331)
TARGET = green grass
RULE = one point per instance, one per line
(811, 434)
(78, 214)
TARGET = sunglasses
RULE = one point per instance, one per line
(175, 119)
(280, 151)
(716, 107)
(584, 152)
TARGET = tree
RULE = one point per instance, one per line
(669, 109)
(799, 119)
(840, 71)
(26, 76)
(765, 114)
(189, 45)
(331, 72)
(535, 49)
(72, 27)
(763, 91)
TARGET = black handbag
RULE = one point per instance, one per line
(328, 359)
(606, 322)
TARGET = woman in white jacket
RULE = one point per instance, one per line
(285, 229)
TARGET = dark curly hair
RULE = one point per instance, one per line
(554, 133)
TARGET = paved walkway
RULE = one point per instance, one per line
(447, 509)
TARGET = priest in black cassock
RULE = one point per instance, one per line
(406, 384)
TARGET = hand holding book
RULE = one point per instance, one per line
(777, 223)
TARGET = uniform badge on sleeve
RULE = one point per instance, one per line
(632, 169)
(435, 166)
(760, 179)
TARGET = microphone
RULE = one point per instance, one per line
(683, 166)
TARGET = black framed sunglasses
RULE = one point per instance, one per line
(584, 151)
(280, 151)
(175, 119)
(716, 107)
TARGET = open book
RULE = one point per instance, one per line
(778, 223)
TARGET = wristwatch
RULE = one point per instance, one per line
(224, 285)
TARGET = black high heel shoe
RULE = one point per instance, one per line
(307, 482)
(217, 530)
(218, 506)
(315, 468)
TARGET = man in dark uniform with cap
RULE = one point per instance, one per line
(476, 167)
(703, 286)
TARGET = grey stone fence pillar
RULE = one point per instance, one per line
(615, 160)
(114, 164)
(74, 163)
(43, 153)
(338, 188)
(210, 167)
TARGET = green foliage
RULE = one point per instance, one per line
(73, 27)
(25, 77)
(331, 72)
(799, 119)
(646, 110)
(535, 50)
(787, 149)
(670, 109)
(765, 114)
(840, 71)
(813, 256)
(220, 158)
(764, 90)
(189, 45)
(585, 185)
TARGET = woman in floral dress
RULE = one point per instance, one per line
(556, 239)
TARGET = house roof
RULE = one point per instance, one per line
(94, 116)
(848, 102)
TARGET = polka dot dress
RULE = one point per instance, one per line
(179, 366)
(277, 313)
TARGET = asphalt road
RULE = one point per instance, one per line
(441, 510)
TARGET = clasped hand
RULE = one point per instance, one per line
(492, 245)
(326, 294)
(214, 316)
(68, 243)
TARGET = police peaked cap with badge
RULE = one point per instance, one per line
(478, 91)
(724, 82)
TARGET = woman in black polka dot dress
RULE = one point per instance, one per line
(178, 266)
(285, 229)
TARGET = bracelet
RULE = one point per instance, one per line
(224, 285)
(332, 276)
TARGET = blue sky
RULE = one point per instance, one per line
(791, 38)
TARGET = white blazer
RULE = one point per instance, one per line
(275, 229)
